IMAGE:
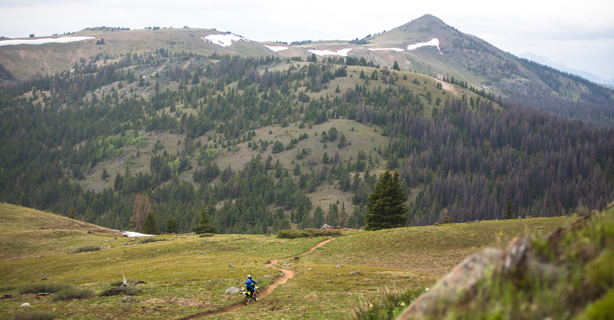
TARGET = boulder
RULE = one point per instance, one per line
(453, 285)
(232, 290)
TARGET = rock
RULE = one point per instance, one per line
(338, 266)
(90, 232)
(297, 258)
(232, 290)
(453, 285)
(267, 276)
(127, 299)
(230, 265)
(436, 223)
(355, 272)
(107, 247)
(25, 304)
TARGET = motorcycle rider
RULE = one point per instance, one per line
(249, 284)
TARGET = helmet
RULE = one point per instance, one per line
(249, 276)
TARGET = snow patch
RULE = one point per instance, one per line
(135, 234)
(342, 52)
(224, 40)
(387, 49)
(433, 42)
(43, 41)
(276, 49)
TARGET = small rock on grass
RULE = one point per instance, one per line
(356, 272)
(232, 290)
(127, 299)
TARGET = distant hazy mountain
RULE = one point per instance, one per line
(563, 67)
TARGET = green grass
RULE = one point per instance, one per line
(189, 274)
(580, 285)
(430, 249)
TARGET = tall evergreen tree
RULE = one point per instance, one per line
(509, 212)
(386, 206)
(395, 66)
(150, 226)
(203, 225)
(171, 225)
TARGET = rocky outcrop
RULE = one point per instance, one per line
(456, 283)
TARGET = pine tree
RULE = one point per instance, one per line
(395, 66)
(386, 206)
(171, 225)
(150, 226)
(105, 175)
(509, 213)
(203, 225)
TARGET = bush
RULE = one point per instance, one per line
(40, 287)
(34, 315)
(72, 293)
(389, 307)
(86, 249)
(291, 234)
(147, 240)
(204, 235)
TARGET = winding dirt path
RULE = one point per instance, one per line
(279, 280)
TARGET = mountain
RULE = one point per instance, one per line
(425, 45)
(563, 67)
(271, 136)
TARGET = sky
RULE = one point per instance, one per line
(577, 33)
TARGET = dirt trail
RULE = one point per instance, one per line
(282, 279)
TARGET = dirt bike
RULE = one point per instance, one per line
(249, 296)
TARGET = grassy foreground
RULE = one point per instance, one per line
(188, 274)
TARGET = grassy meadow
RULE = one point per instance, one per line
(188, 274)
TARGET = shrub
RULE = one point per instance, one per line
(147, 240)
(390, 306)
(291, 234)
(206, 235)
(72, 293)
(87, 248)
(48, 287)
(34, 315)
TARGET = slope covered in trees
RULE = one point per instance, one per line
(454, 149)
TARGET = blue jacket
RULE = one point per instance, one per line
(249, 283)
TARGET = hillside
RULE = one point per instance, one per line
(273, 139)
(187, 274)
(425, 45)
(270, 143)
(29, 233)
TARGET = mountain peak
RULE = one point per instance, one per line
(427, 20)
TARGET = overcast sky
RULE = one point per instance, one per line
(578, 33)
